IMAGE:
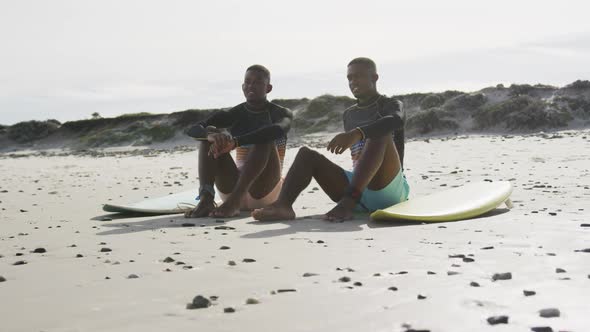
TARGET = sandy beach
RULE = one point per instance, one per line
(94, 271)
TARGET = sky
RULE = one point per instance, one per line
(66, 59)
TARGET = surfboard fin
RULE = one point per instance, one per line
(509, 204)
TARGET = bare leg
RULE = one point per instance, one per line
(222, 171)
(308, 164)
(377, 166)
(259, 176)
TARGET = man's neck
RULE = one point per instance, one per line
(364, 101)
(257, 105)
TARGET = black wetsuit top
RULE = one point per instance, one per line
(253, 127)
(381, 117)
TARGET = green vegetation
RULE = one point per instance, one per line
(28, 131)
(579, 85)
(431, 100)
(430, 120)
(466, 101)
(522, 112)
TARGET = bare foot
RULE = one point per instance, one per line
(205, 206)
(274, 212)
(342, 211)
(226, 210)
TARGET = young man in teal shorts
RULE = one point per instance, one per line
(374, 133)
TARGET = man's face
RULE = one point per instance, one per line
(361, 80)
(255, 86)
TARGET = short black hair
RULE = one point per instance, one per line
(261, 69)
(364, 61)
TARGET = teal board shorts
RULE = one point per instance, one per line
(396, 191)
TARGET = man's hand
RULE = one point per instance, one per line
(221, 142)
(344, 141)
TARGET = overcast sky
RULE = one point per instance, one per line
(67, 59)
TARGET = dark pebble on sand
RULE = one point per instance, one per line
(19, 263)
(502, 276)
(39, 251)
(457, 256)
(288, 290)
(231, 263)
(224, 248)
(549, 313)
(320, 241)
(487, 248)
(188, 224)
(252, 301)
(452, 273)
(558, 270)
(473, 284)
(309, 274)
(468, 260)
(105, 250)
(224, 227)
(344, 279)
(498, 320)
(358, 283)
(199, 302)
(584, 225)
(583, 250)
(421, 297)
(168, 260)
(542, 329)
(2, 279)
(430, 272)
(529, 292)
(229, 310)
(18, 254)
(132, 276)
(403, 272)
(180, 263)
(79, 256)
(248, 260)
(394, 289)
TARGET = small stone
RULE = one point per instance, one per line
(528, 292)
(468, 260)
(473, 284)
(452, 273)
(39, 251)
(132, 276)
(502, 276)
(107, 278)
(168, 260)
(430, 272)
(421, 297)
(487, 248)
(558, 270)
(344, 279)
(248, 260)
(2, 279)
(252, 301)
(105, 250)
(187, 224)
(497, 320)
(229, 310)
(224, 227)
(358, 283)
(392, 288)
(199, 302)
(231, 263)
(584, 225)
(583, 250)
(376, 274)
(549, 313)
(542, 329)
(19, 263)
(286, 290)
(224, 248)
(79, 256)
(309, 274)
(457, 256)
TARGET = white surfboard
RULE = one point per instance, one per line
(468, 201)
(170, 204)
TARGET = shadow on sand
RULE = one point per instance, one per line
(307, 224)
